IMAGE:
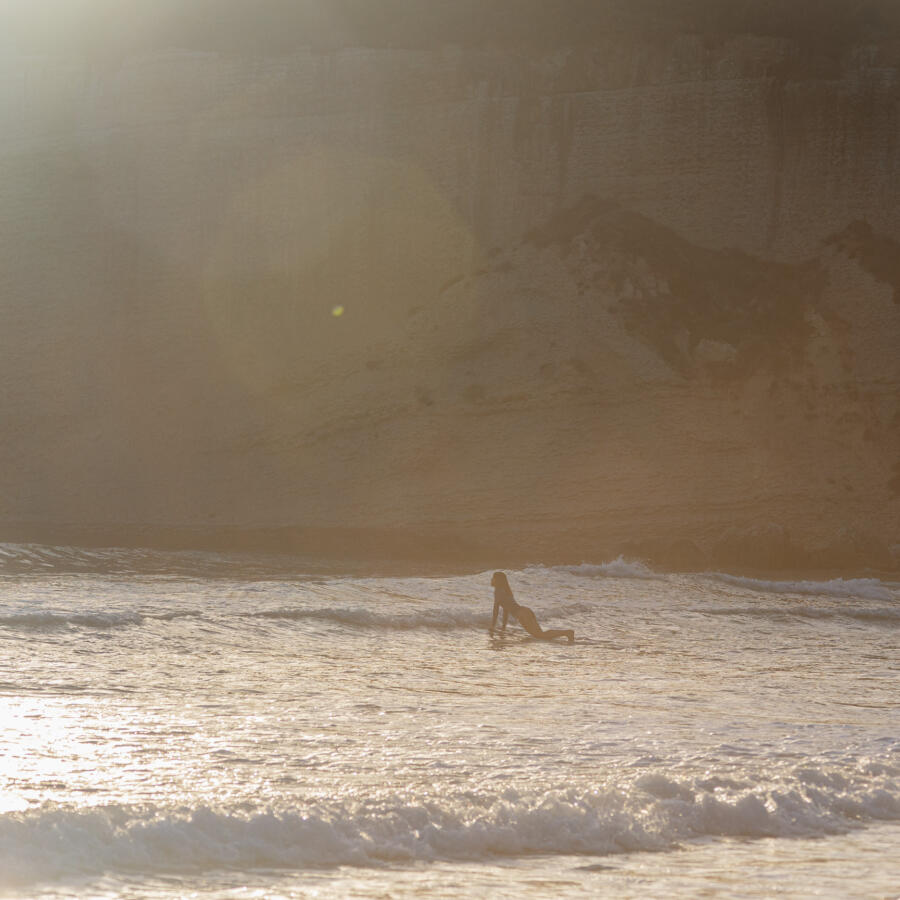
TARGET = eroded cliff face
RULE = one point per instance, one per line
(641, 297)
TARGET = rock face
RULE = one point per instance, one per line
(635, 296)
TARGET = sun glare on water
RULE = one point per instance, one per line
(34, 736)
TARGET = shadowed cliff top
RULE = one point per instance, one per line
(104, 27)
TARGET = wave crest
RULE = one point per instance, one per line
(655, 812)
(435, 619)
(885, 616)
(44, 559)
(50, 621)
(864, 588)
(617, 568)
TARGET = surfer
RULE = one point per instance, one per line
(503, 599)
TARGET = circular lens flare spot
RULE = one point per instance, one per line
(337, 311)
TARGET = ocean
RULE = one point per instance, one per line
(211, 726)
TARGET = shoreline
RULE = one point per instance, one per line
(395, 549)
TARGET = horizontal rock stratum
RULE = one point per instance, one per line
(638, 293)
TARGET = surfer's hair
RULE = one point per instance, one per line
(499, 579)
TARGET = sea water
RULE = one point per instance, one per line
(177, 725)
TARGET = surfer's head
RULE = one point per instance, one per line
(499, 579)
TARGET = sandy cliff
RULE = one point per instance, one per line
(633, 296)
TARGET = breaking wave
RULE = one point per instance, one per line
(865, 588)
(434, 618)
(36, 559)
(882, 616)
(46, 621)
(437, 618)
(617, 568)
(655, 812)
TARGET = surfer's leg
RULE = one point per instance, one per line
(559, 632)
(529, 622)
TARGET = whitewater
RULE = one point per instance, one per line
(208, 725)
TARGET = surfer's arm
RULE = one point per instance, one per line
(505, 618)
(494, 618)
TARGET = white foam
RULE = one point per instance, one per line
(654, 812)
(438, 618)
(617, 568)
(23, 559)
(26, 557)
(429, 616)
(866, 588)
(54, 621)
(885, 616)
(51, 620)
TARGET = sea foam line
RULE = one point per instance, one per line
(426, 616)
(865, 588)
(49, 621)
(45, 559)
(655, 812)
(436, 618)
(882, 616)
(616, 568)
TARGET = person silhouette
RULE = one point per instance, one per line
(503, 599)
